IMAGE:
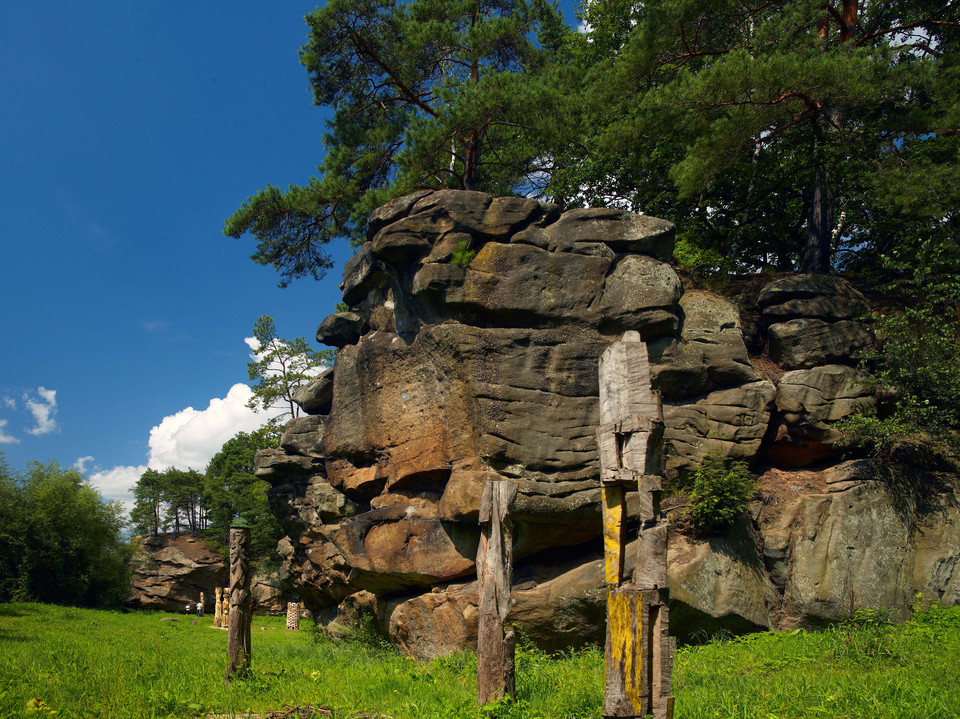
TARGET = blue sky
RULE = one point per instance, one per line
(128, 132)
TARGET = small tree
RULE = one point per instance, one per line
(722, 488)
(280, 366)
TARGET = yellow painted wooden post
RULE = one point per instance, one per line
(639, 650)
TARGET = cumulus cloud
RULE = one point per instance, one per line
(190, 438)
(43, 407)
(187, 439)
(10, 402)
(115, 485)
(4, 437)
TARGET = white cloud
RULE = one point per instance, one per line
(187, 439)
(190, 438)
(43, 410)
(115, 485)
(4, 437)
(81, 463)
(10, 402)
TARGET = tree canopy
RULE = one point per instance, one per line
(231, 490)
(774, 133)
(425, 94)
(59, 541)
(205, 504)
(794, 134)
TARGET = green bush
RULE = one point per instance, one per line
(722, 487)
(916, 356)
(463, 254)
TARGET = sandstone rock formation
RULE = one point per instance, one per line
(449, 375)
(170, 573)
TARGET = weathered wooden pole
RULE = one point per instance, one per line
(293, 616)
(217, 606)
(238, 637)
(225, 608)
(639, 650)
(495, 647)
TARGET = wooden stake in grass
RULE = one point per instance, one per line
(238, 637)
(639, 650)
(495, 647)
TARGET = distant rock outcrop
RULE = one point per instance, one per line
(449, 375)
(170, 573)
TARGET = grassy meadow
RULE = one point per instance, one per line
(63, 662)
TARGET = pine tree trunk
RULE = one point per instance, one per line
(816, 253)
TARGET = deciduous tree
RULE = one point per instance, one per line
(232, 490)
(61, 543)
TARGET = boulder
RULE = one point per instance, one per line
(804, 343)
(871, 545)
(453, 375)
(824, 394)
(710, 353)
(619, 230)
(362, 274)
(341, 329)
(303, 436)
(806, 286)
(728, 422)
(316, 396)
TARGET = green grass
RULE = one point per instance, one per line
(63, 662)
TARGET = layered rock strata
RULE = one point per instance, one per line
(469, 353)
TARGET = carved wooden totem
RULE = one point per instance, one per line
(218, 607)
(495, 647)
(225, 608)
(293, 616)
(238, 638)
(639, 650)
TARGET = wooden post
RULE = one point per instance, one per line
(217, 608)
(639, 650)
(225, 608)
(238, 638)
(495, 647)
(293, 616)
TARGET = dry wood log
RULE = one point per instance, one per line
(495, 648)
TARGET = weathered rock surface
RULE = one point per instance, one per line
(800, 343)
(453, 375)
(876, 539)
(170, 573)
